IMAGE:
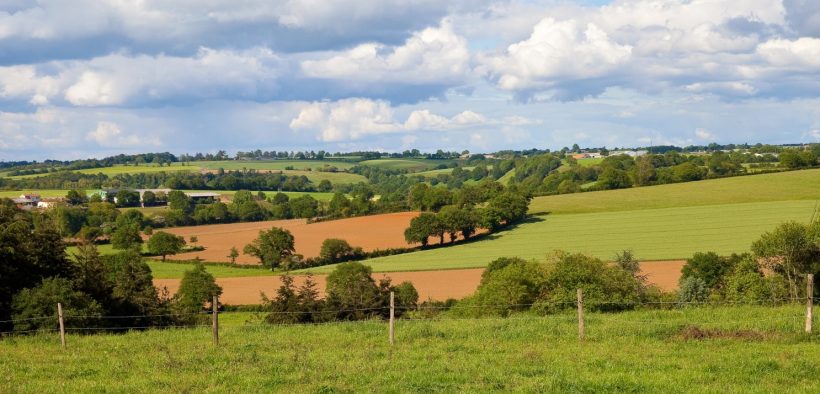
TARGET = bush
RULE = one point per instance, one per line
(197, 288)
(509, 284)
(606, 287)
(338, 250)
(710, 268)
(42, 301)
(693, 289)
(747, 284)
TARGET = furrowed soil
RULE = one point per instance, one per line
(435, 285)
(368, 232)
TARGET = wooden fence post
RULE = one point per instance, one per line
(809, 301)
(392, 317)
(215, 319)
(580, 314)
(62, 324)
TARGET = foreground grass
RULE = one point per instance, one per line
(758, 350)
(792, 185)
(652, 234)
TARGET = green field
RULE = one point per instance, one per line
(121, 169)
(413, 165)
(232, 165)
(652, 234)
(757, 349)
(163, 270)
(45, 193)
(792, 185)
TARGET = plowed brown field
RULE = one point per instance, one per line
(368, 232)
(436, 285)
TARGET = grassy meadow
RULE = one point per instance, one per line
(746, 349)
(413, 165)
(792, 185)
(652, 234)
(165, 270)
(302, 165)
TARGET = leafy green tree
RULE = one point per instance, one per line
(197, 288)
(90, 275)
(149, 198)
(31, 304)
(280, 198)
(324, 186)
(511, 284)
(455, 221)
(511, 207)
(304, 206)
(613, 178)
(352, 292)
(339, 205)
(163, 244)
(178, 200)
(693, 290)
(133, 290)
(747, 284)
(791, 249)
(337, 250)
(76, 197)
(422, 228)
(233, 254)
(126, 236)
(69, 219)
(708, 267)
(272, 247)
(128, 198)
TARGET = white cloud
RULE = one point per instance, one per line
(704, 134)
(109, 134)
(558, 50)
(353, 119)
(802, 53)
(433, 55)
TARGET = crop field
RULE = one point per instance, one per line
(792, 185)
(743, 349)
(652, 234)
(368, 232)
(408, 164)
(243, 286)
(121, 169)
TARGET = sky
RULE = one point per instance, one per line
(91, 78)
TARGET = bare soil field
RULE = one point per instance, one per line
(368, 232)
(436, 285)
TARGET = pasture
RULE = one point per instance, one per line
(792, 185)
(301, 165)
(752, 349)
(652, 234)
(412, 165)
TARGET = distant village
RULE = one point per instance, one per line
(158, 197)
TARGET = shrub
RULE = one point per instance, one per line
(509, 285)
(197, 288)
(693, 289)
(338, 250)
(42, 301)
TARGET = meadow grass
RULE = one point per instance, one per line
(165, 270)
(652, 234)
(405, 164)
(122, 169)
(755, 349)
(232, 165)
(792, 185)
(44, 193)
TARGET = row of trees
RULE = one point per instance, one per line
(465, 219)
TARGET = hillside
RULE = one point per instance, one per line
(652, 234)
(792, 185)
(740, 349)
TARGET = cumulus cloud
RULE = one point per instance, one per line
(432, 55)
(109, 134)
(704, 134)
(354, 119)
(558, 51)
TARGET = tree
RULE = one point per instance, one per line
(339, 205)
(612, 178)
(455, 220)
(324, 186)
(352, 292)
(128, 198)
(693, 290)
(304, 206)
(748, 284)
(197, 288)
(178, 200)
(272, 247)
(149, 198)
(163, 244)
(337, 250)
(76, 197)
(126, 236)
(510, 206)
(233, 254)
(709, 268)
(421, 228)
(31, 304)
(791, 249)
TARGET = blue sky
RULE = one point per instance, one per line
(86, 78)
